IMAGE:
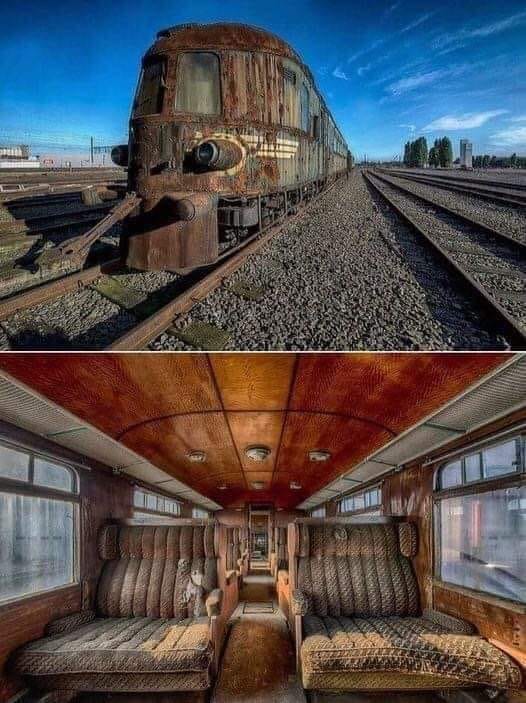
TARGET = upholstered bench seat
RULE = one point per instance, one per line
(124, 645)
(339, 653)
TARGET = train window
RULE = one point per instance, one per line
(319, 512)
(305, 108)
(198, 84)
(149, 98)
(200, 513)
(362, 501)
(151, 505)
(316, 127)
(38, 515)
(481, 521)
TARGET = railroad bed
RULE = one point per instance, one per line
(506, 176)
(344, 274)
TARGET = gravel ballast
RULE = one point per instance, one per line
(506, 220)
(345, 275)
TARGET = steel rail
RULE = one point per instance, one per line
(455, 213)
(43, 293)
(516, 331)
(494, 197)
(150, 328)
(446, 176)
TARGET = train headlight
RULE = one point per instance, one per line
(217, 155)
(119, 155)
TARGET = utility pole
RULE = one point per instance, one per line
(91, 151)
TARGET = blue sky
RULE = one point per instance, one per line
(390, 70)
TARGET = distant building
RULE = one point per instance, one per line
(17, 157)
(466, 153)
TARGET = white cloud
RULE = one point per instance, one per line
(411, 82)
(457, 39)
(338, 73)
(417, 22)
(511, 137)
(367, 49)
(466, 121)
(363, 69)
(519, 118)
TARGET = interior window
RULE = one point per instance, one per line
(483, 542)
(37, 524)
(305, 108)
(362, 501)
(482, 527)
(151, 505)
(318, 512)
(149, 96)
(200, 513)
(198, 83)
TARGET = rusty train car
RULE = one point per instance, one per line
(228, 133)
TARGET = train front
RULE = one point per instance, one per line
(183, 159)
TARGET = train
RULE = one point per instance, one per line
(228, 134)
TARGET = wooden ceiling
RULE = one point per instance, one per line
(165, 405)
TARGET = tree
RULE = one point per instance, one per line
(433, 156)
(513, 160)
(485, 161)
(407, 154)
(445, 152)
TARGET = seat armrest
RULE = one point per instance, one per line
(299, 602)
(460, 627)
(213, 602)
(62, 626)
(231, 576)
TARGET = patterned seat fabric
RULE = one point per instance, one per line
(150, 607)
(339, 646)
(359, 597)
(124, 645)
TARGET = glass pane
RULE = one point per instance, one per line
(304, 108)
(500, 459)
(472, 465)
(198, 84)
(150, 93)
(52, 475)
(14, 464)
(451, 475)
(151, 501)
(483, 542)
(36, 544)
(138, 499)
(359, 502)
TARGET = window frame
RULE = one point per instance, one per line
(305, 108)
(156, 58)
(205, 516)
(515, 479)
(150, 512)
(365, 509)
(28, 489)
(205, 115)
(321, 510)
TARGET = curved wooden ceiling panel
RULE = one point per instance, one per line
(166, 405)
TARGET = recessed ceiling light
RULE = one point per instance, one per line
(197, 455)
(258, 485)
(319, 455)
(257, 453)
(295, 485)
(223, 487)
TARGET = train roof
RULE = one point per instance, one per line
(224, 35)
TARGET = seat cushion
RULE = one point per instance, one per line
(409, 645)
(121, 645)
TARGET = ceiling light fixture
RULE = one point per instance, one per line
(257, 452)
(295, 486)
(223, 487)
(197, 455)
(319, 455)
(258, 485)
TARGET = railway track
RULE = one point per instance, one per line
(490, 263)
(57, 221)
(503, 195)
(507, 185)
(152, 318)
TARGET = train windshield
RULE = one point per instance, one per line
(149, 97)
(198, 84)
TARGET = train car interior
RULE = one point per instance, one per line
(263, 527)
